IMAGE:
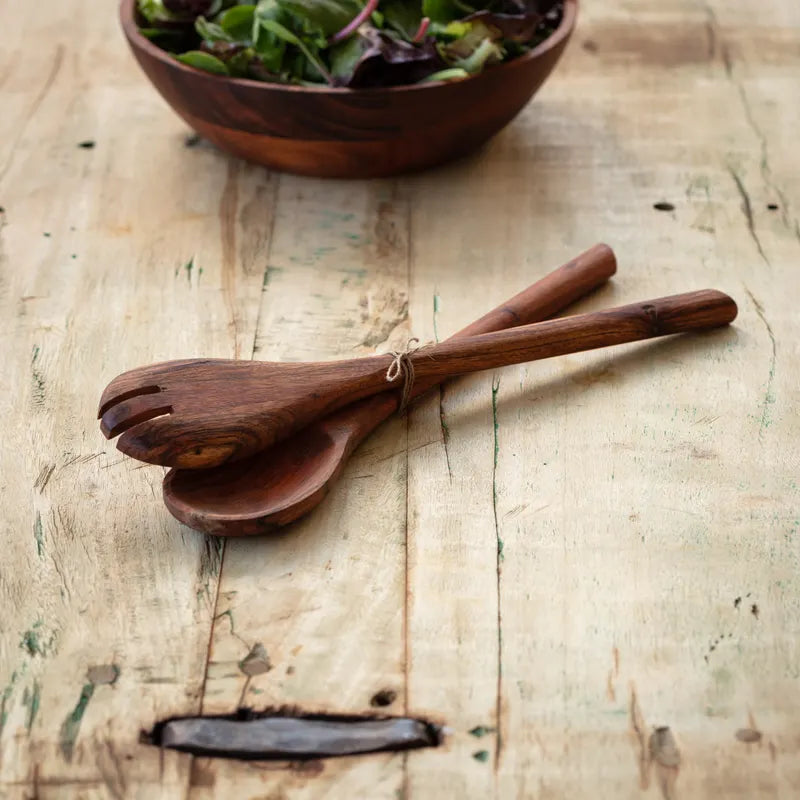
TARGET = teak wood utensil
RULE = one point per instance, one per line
(286, 481)
(202, 413)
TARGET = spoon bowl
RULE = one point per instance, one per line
(259, 493)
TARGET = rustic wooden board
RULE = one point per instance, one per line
(587, 568)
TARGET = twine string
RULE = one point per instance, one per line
(402, 367)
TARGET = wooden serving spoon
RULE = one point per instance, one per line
(283, 483)
(203, 413)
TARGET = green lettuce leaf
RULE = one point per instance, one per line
(238, 22)
(441, 10)
(290, 38)
(326, 16)
(378, 58)
(204, 61)
(210, 31)
(486, 52)
(404, 16)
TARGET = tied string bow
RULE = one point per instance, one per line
(403, 367)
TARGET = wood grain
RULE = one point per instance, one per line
(595, 558)
(352, 133)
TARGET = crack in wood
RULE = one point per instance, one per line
(769, 396)
(752, 121)
(747, 210)
(498, 744)
(58, 60)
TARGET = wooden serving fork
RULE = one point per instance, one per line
(202, 413)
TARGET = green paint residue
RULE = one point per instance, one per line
(335, 216)
(481, 755)
(358, 272)
(769, 398)
(33, 643)
(31, 701)
(38, 535)
(38, 378)
(229, 615)
(4, 698)
(435, 312)
(72, 724)
(500, 546)
(30, 640)
(268, 273)
(480, 731)
(445, 429)
(189, 266)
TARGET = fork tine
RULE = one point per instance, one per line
(116, 395)
(142, 380)
(147, 441)
(124, 414)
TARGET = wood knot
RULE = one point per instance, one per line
(652, 314)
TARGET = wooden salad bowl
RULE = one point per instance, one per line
(348, 133)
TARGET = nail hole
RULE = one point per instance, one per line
(663, 205)
(383, 698)
(772, 206)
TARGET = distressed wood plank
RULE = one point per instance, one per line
(109, 258)
(633, 590)
(326, 598)
(646, 500)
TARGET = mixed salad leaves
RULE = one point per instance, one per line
(355, 43)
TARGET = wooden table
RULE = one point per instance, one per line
(592, 561)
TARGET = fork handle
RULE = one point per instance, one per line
(661, 317)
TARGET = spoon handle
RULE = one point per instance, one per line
(543, 299)
(548, 296)
(661, 317)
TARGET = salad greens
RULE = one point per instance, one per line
(355, 43)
